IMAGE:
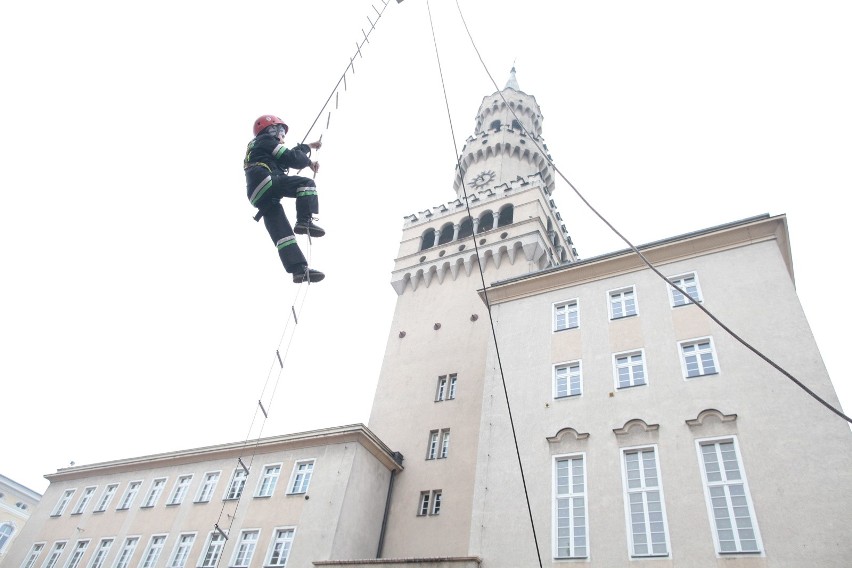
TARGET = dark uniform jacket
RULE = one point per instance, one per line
(266, 158)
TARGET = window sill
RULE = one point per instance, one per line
(567, 328)
(263, 496)
(173, 504)
(624, 317)
(631, 386)
(693, 377)
(146, 506)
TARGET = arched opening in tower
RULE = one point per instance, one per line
(427, 240)
(486, 222)
(505, 216)
(465, 228)
(446, 234)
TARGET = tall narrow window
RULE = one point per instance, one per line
(55, 553)
(206, 490)
(689, 284)
(301, 478)
(622, 303)
(698, 358)
(63, 502)
(6, 532)
(423, 510)
(567, 380)
(728, 498)
(100, 554)
(245, 549)
(32, 557)
(180, 489)
(213, 551)
(441, 393)
(152, 554)
(644, 501)
(129, 495)
(566, 315)
(629, 369)
(570, 507)
(452, 392)
(269, 480)
(437, 498)
(106, 497)
(123, 560)
(77, 555)
(279, 549)
(445, 443)
(154, 492)
(238, 482)
(432, 450)
(84, 500)
(183, 547)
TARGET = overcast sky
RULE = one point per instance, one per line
(142, 306)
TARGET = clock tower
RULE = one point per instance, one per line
(429, 398)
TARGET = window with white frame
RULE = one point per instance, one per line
(55, 553)
(205, 492)
(439, 444)
(430, 503)
(567, 379)
(451, 393)
(245, 549)
(629, 369)
(432, 449)
(238, 482)
(154, 492)
(268, 480)
(698, 358)
(180, 489)
(183, 547)
(84, 500)
(569, 507)
(622, 303)
(425, 499)
(123, 560)
(213, 551)
(101, 552)
(77, 554)
(6, 532)
(643, 499)
(689, 284)
(152, 553)
(129, 495)
(63, 502)
(279, 548)
(566, 315)
(106, 497)
(445, 443)
(301, 477)
(728, 499)
(446, 389)
(32, 557)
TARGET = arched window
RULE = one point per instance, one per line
(506, 214)
(515, 124)
(6, 530)
(465, 228)
(446, 234)
(428, 239)
(495, 125)
(486, 222)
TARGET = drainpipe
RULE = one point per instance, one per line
(398, 459)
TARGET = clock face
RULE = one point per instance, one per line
(482, 179)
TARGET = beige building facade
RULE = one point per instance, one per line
(17, 502)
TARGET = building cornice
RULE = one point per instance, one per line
(22, 489)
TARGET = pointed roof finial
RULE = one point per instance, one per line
(513, 81)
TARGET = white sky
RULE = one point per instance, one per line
(141, 305)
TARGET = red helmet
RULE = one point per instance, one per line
(268, 120)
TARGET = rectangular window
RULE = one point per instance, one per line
(423, 510)
(689, 284)
(445, 443)
(245, 549)
(698, 358)
(55, 553)
(301, 478)
(629, 369)
(452, 392)
(129, 495)
(432, 451)
(441, 393)
(567, 380)
(183, 547)
(279, 549)
(152, 554)
(84, 500)
(430, 503)
(214, 550)
(206, 490)
(123, 560)
(269, 480)
(570, 507)
(436, 502)
(728, 498)
(238, 482)
(566, 315)
(180, 490)
(106, 497)
(622, 303)
(100, 554)
(63, 502)
(644, 501)
(154, 493)
(32, 557)
(77, 555)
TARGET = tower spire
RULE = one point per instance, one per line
(512, 83)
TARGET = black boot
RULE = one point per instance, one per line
(307, 274)
(308, 227)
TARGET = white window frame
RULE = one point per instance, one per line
(444, 450)
(572, 308)
(699, 444)
(437, 501)
(432, 446)
(441, 390)
(244, 549)
(83, 502)
(451, 387)
(77, 554)
(631, 366)
(622, 302)
(567, 365)
(285, 537)
(268, 481)
(302, 488)
(213, 548)
(32, 556)
(237, 484)
(180, 490)
(55, 554)
(154, 492)
(155, 547)
(571, 496)
(701, 371)
(182, 550)
(643, 491)
(208, 486)
(63, 502)
(676, 299)
(424, 504)
(128, 549)
(129, 495)
(106, 497)
(101, 552)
